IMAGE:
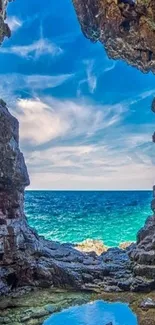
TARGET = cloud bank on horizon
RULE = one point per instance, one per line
(85, 120)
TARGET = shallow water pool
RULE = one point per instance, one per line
(96, 313)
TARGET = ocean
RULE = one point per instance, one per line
(73, 216)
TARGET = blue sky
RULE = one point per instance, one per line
(85, 120)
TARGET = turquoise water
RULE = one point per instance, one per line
(97, 313)
(72, 216)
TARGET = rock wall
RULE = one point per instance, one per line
(4, 29)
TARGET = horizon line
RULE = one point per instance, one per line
(89, 190)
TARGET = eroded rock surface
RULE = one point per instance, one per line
(125, 28)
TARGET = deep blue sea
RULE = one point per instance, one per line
(73, 216)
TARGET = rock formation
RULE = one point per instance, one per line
(126, 28)
(4, 29)
(29, 260)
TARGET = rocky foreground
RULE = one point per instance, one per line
(34, 307)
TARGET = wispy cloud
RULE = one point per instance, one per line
(68, 119)
(13, 84)
(93, 70)
(34, 50)
(91, 77)
(14, 23)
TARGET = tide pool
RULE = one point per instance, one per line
(96, 313)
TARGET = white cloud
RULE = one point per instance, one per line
(14, 23)
(121, 157)
(84, 168)
(91, 77)
(44, 82)
(42, 121)
(12, 84)
(35, 50)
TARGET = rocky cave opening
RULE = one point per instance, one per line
(29, 260)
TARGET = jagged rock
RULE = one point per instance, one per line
(144, 253)
(147, 303)
(4, 28)
(91, 245)
(126, 29)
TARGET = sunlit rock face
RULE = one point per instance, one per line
(4, 29)
(126, 28)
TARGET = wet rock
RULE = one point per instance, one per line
(147, 303)
(125, 245)
(91, 245)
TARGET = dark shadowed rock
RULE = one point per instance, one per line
(153, 106)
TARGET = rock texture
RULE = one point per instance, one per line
(4, 29)
(126, 28)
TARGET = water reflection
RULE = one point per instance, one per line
(96, 313)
